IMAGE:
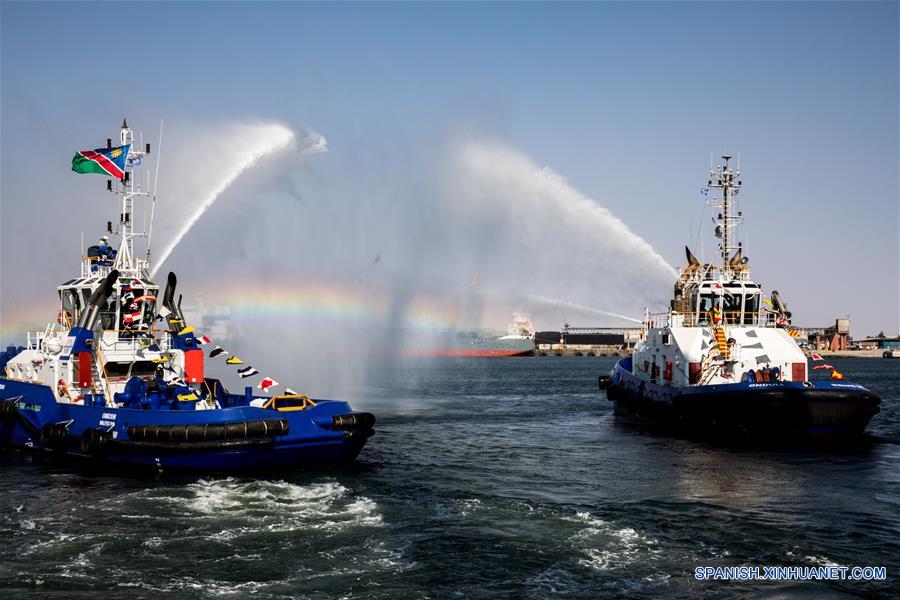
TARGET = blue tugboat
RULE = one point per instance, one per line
(103, 383)
(724, 361)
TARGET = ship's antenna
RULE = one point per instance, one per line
(129, 188)
(723, 178)
(155, 182)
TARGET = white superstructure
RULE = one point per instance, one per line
(720, 327)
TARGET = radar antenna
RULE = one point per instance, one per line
(725, 178)
(130, 188)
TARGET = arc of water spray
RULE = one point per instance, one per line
(250, 159)
(580, 307)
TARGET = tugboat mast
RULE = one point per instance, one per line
(723, 178)
(129, 188)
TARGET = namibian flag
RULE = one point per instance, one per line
(102, 161)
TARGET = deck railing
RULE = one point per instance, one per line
(692, 319)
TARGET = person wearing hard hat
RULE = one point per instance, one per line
(107, 252)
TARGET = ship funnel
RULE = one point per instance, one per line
(692, 260)
(97, 301)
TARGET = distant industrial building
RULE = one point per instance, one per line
(591, 341)
(833, 338)
(586, 341)
(879, 342)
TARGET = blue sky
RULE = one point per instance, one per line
(626, 100)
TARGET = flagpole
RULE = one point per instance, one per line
(155, 182)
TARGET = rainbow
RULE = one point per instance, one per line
(257, 300)
(324, 301)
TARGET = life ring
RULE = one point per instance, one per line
(64, 317)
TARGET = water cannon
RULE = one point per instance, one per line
(175, 318)
(692, 260)
(97, 300)
(779, 305)
(169, 294)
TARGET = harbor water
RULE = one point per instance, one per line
(486, 479)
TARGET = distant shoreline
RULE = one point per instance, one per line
(852, 353)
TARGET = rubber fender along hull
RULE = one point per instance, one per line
(209, 432)
(217, 440)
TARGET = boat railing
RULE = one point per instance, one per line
(141, 340)
(34, 337)
(100, 266)
(95, 266)
(100, 366)
(692, 319)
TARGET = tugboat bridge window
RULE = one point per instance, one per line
(71, 305)
(738, 304)
(751, 308)
(731, 305)
(707, 302)
(126, 370)
(108, 314)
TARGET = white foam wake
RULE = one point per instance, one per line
(240, 148)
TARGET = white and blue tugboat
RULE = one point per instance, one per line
(724, 360)
(103, 382)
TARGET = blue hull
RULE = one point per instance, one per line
(772, 409)
(240, 437)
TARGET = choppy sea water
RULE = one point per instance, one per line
(486, 479)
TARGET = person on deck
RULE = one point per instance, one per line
(107, 252)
